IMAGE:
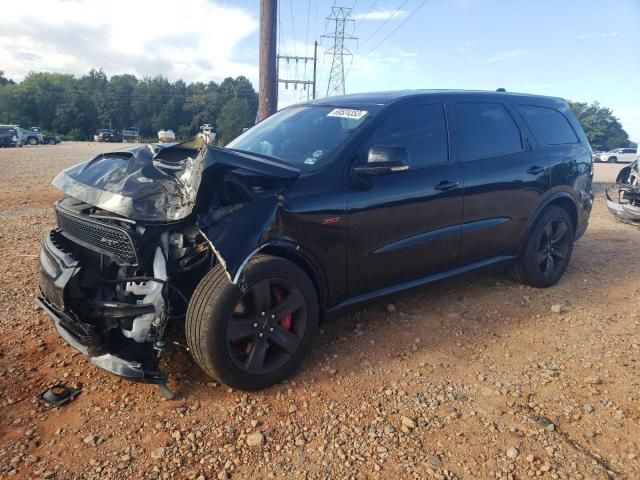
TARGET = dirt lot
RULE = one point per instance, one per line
(474, 377)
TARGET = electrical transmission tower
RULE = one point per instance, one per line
(339, 19)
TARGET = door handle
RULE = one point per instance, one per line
(446, 185)
(535, 170)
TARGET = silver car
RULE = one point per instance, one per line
(616, 155)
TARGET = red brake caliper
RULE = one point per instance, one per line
(278, 294)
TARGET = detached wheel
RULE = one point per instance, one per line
(250, 340)
(548, 249)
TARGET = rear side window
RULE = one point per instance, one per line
(421, 129)
(486, 130)
(548, 125)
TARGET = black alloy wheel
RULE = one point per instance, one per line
(548, 249)
(267, 326)
(256, 336)
(554, 247)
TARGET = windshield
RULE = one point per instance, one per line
(304, 136)
(5, 131)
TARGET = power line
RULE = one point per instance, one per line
(293, 28)
(385, 22)
(306, 43)
(397, 28)
(375, 2)
(389, 35)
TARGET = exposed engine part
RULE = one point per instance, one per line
(151, 292)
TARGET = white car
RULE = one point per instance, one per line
(618, 155)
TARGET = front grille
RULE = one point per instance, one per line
(112, 241)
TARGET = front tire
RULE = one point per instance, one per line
(548, 250)
(252, 339)
(612, 160)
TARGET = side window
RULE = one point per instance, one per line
(548, 125)
(421, 129)
(486, 130)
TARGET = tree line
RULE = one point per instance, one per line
(603, 129)
(77, 107)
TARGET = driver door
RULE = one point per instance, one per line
(405, 225)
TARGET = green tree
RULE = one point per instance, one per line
(79, 106)
(235, 115)
(602, 128)
(4, 80)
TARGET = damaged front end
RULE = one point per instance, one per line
(623, 200)
(131, 245)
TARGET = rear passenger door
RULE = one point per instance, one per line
(504, 176)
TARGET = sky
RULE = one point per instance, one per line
(577, 49)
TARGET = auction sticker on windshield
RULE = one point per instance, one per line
(347, 113)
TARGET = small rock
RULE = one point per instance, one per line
(434, 460)
(592, 381)
(224, 475)
(255, 439)
(557, 308)
(512, 453)
(158, 453)
(391, 308)
(408, 422)
(90, 440)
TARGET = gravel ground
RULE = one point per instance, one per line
(473, 377)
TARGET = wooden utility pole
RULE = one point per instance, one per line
(268, 84)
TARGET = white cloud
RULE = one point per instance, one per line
(381, 15)
(192, 40)
(508, 55)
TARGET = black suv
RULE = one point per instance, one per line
(321, 206)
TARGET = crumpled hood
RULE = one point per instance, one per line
(156, 183)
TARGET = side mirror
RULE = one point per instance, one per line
(383, 160)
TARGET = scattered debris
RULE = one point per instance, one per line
(58, 394)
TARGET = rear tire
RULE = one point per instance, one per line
(257, 338)
(33, 141)
(547, 252)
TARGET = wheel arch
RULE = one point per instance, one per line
(563, 200)
(297, 255)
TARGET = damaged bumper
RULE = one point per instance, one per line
(625, 212)
(57, 268)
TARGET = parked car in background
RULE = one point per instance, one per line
(131, 134)
(166, 136)
(18, 133)
(38, 133)
(51, 139)
(616, 155)
(319, 207)
(30, 137)
(8, 137)
(107, 135)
